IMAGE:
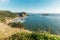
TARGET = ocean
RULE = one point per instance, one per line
(35, 22)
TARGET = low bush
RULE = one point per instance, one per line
(33, 36)
(16, 25)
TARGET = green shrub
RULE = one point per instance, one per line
(33, 36)
(16, 25)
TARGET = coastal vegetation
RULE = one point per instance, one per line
(6, 15)
(16, 25)
(33, 36)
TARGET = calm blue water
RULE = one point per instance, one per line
(37, 21)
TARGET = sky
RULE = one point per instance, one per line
(32, 6)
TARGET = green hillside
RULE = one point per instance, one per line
(6, 15)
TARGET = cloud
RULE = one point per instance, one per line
(4, 2)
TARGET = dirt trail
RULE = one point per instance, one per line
(10, 20)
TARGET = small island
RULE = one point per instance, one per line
(45, 14)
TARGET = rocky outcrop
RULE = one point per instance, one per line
(22, 14)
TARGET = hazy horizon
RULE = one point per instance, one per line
(31, 6)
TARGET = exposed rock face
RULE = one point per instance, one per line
(45, 14)
(22, 14)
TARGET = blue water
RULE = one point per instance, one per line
(37, 21)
